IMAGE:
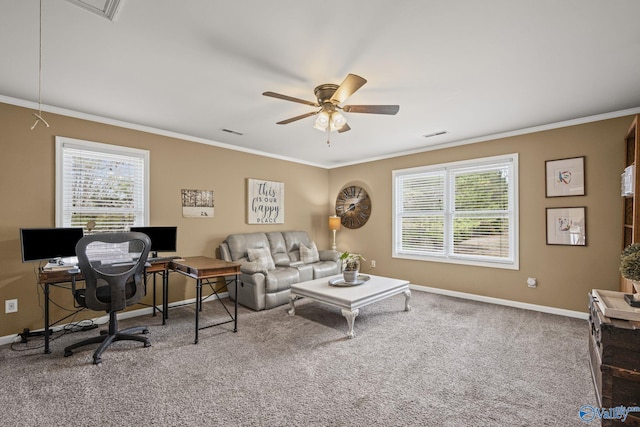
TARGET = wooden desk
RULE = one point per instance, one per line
(55, 278)
(68, 278)
(160, 267)
(199, 268)
(203, 268)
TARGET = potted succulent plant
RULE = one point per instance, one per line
(630, 266)
(351, 266)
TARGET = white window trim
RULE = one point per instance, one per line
(62, 142)
(515, 228)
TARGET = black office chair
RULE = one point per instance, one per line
(113, 268)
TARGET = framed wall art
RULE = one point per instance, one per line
(197, 204)
(265, 202)
(565, 177)
(566, 226)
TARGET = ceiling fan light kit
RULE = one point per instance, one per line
(329, 97)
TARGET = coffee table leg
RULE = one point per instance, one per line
(292, 310)
(350, 315)
(407, 297)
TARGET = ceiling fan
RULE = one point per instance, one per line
(329, 97)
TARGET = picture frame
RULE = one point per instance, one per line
(197, 203)
(567, 226)
(565, 177)
(265, 202)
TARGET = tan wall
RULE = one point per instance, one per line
(565, 274)
(27, 167)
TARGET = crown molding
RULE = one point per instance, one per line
(108, 10)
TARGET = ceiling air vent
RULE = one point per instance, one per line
(431, 135)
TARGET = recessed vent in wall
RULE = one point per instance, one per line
(105, 8)
(232, 131)
(431, 135)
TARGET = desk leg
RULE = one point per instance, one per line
(235, 308)
(154, 292)
(198, 297)
(165, 296)
(47, 350)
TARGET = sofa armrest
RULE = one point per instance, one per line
(252, 267)
(329, 255)
(224, 252)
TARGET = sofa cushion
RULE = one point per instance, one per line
(239, 243)
(292, 240)
(261, 256)
(278, 248)
(309, 255)
(281, 279)
(325, 269)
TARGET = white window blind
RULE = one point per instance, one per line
(463, 212)
(103, 183)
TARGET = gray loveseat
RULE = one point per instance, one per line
(272, 262)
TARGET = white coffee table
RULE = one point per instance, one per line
(350, 299)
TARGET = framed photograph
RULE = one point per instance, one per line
(197, 203)
(265, 202)
(565, 177)
(566, 226)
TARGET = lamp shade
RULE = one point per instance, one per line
(334, 223)
(322, 121)
(337, 120)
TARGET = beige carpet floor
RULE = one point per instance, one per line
(447, 362)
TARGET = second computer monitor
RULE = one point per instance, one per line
(163, 239)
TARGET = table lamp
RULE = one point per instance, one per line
(334, 225)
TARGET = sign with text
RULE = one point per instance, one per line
(265, 202)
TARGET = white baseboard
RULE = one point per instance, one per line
(499, 301)
(8, 339)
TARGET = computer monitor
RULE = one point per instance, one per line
(44, 244)
(163, 239)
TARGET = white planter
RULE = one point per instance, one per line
(350, 276)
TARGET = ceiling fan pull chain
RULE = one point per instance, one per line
(328, 137)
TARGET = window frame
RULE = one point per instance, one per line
(449, 169)
(65, 142)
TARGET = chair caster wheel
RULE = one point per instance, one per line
(147, 344)
(145, 331)
(97, 361)
(68, 353)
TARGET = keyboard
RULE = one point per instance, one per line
(162, 258)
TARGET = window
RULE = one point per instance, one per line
(463, 212)
(103, 183)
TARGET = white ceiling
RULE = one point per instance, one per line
(195, 67)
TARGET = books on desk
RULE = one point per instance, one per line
(54, 266)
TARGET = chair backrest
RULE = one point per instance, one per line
(113, 268)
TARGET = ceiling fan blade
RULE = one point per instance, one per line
(293, 119)
(373, 109)
(344, 128)
(290, 98)
(350, 84)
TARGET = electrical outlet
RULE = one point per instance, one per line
(373, 263)
(11, 306)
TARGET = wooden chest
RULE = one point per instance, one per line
(614, 353)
